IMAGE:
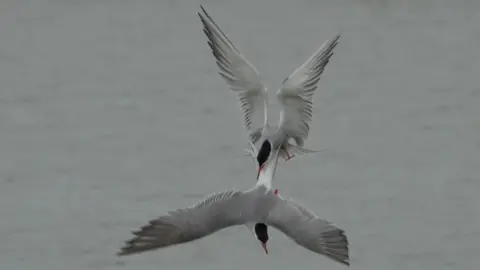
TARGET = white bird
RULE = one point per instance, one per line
(295, 95)
(256, 208)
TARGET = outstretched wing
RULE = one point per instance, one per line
(296, 94)
(309, 231)
(216, 212)
(241, 76)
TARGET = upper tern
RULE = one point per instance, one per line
(295, 96)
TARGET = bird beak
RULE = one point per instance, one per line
(264, 246)
(260, 169)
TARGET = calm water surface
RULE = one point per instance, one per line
(112, 112)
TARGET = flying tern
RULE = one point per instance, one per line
(295, 96)
(256, 208)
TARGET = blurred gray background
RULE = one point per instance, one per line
(112, 112)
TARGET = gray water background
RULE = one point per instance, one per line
(112, 112)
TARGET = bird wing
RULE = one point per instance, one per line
(240, 75)
(216, 212)
(296, 94)
(309, 231)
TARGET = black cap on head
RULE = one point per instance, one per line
(264, 152)
(261, 232)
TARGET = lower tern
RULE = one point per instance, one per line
(256, 208)
(295, 96)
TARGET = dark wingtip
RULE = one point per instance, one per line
(203, 9)
(121, 253)
(132, 247)
(138, 243)
(125, 250)
(337, 246)
(200, 14)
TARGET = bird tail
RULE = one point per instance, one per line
(297, 150)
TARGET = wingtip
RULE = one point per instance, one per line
(129, 250)
(136, 245)
(200, 12)
(203, 10)
(336, 246)
(125, 250)
(335, 40)
(121, 253)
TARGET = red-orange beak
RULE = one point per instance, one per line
(264, 246)
(260, 169)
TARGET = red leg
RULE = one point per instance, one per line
(275, 191)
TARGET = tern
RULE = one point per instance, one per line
(256, 208)
(295, 96)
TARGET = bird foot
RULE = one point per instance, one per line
(287, 154)
(289, 157)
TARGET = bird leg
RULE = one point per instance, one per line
(288, 156)
(275, 191)
(285, 153)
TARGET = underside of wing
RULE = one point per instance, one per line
(309, 231)
(241, 76)
(307, 214)
(296, 94)
(216, 212)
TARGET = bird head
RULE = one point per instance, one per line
(263, 155)
(261, 233)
